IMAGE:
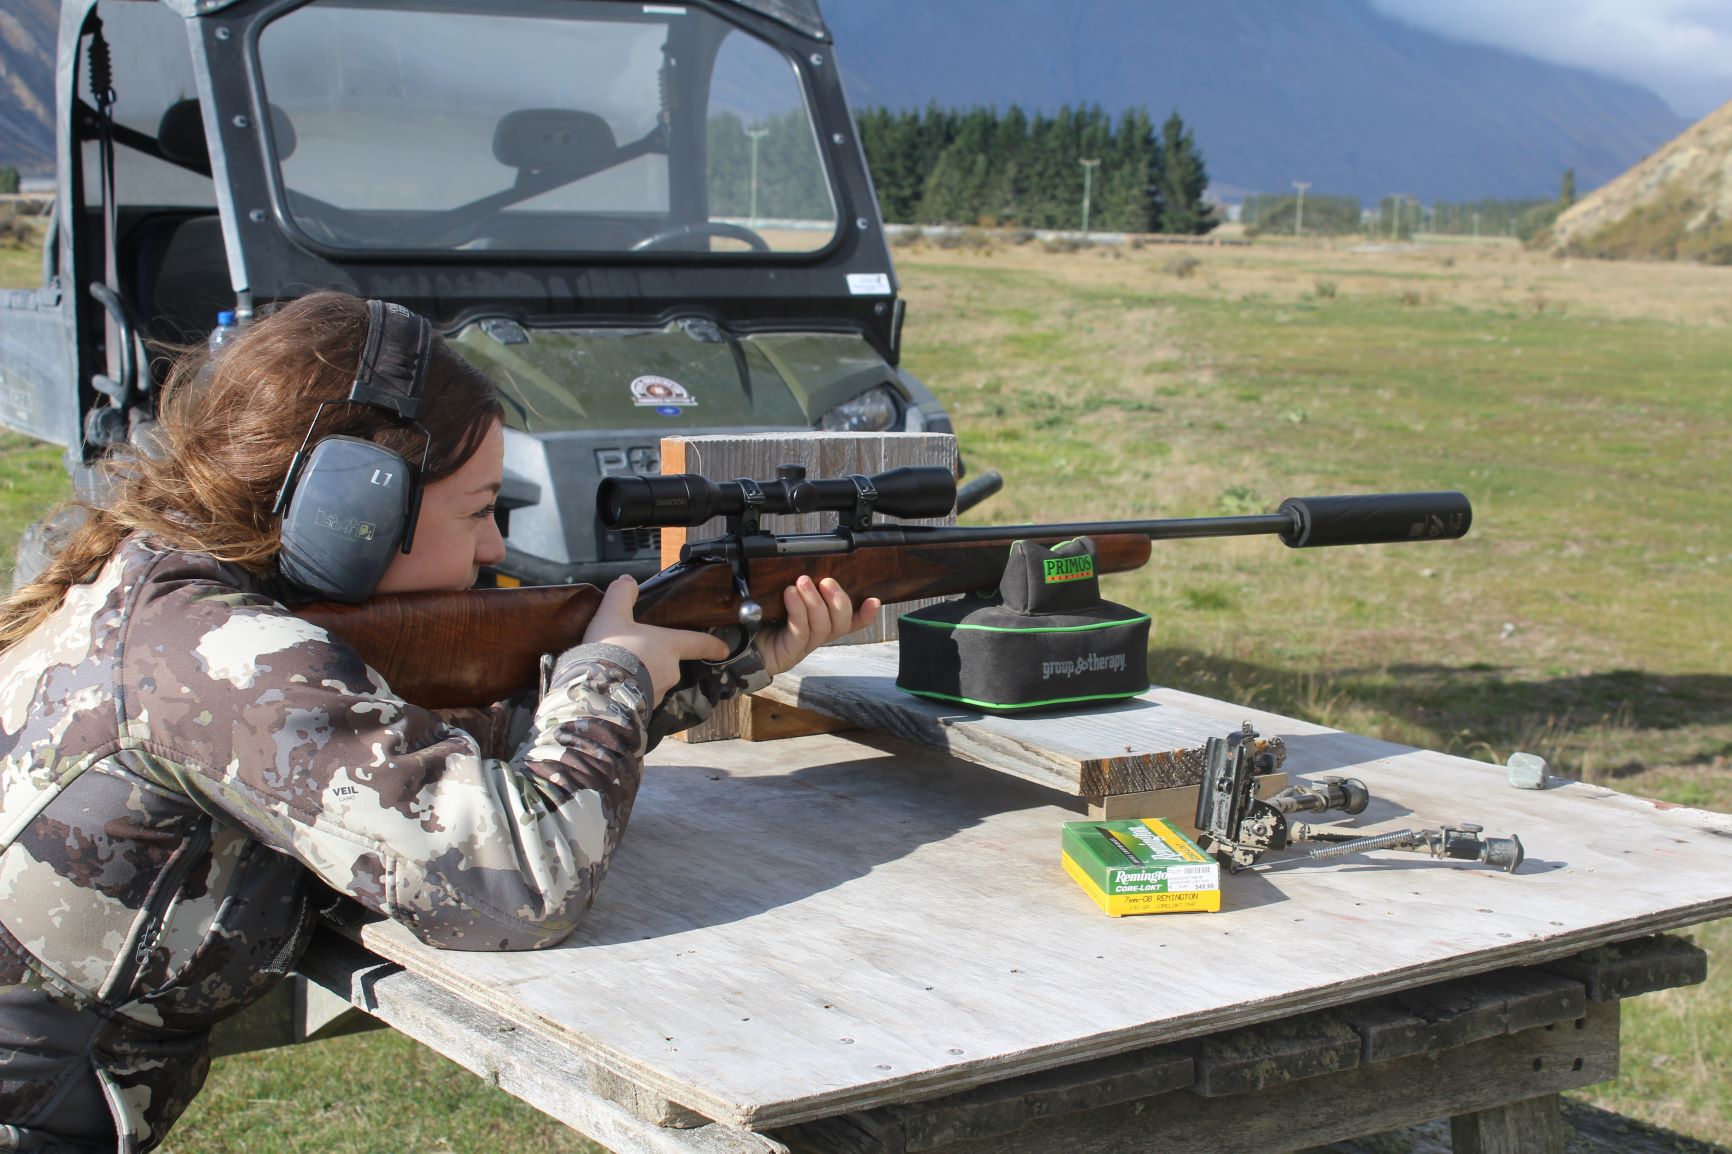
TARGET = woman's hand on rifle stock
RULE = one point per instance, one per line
(661, 650)
(818, 611)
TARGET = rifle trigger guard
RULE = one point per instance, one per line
(751, 618)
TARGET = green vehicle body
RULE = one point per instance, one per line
(642, 220)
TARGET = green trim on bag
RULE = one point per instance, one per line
(1023, 704)
(912, 619)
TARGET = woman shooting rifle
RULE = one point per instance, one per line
(183, 760)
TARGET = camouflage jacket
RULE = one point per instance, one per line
(181, 758)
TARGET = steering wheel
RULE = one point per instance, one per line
(679, 232)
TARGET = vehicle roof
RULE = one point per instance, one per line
(801, 15)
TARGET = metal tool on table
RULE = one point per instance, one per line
(1238, 827)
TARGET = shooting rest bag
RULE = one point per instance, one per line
(1043, 640)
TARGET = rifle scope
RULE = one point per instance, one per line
(691, 499)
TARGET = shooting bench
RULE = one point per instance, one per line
(848, 942)
(863, 942)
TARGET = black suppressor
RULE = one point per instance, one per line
(1376, 520)
(691, 499)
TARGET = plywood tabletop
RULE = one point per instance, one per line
(799, 928)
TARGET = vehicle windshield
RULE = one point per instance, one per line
(540, 126)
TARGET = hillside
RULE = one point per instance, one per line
(27, 32)
(1676, 204)
(1328, 91)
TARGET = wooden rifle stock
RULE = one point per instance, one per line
(472, 648)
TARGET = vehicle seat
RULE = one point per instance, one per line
(180, 135)
(553, 145)
(179, 261)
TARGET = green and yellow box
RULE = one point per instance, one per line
(1140, 866)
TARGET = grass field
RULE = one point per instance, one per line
(1585, 408)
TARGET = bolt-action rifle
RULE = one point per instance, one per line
(471, 648)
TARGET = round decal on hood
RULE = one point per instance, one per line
(660, 392)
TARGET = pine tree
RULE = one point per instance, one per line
(1567, 194)
(1124, 194)
(1180, 181)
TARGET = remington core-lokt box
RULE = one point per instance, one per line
(1140, 866)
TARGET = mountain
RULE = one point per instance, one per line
(1675, 204)
(1326, 91)
(27, 32)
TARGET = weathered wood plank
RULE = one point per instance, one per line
(1135, 747)
(724, 457)
(520, 1061)
(1640, 966)
(764, 720)
(1329, 1108)
(1588, 1130)
(1179, 802)
(1531, 1126)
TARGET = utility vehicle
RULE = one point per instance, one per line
(641, 218)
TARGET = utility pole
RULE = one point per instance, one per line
(1476, 226)
(1299, 216)
(756, 134)
(1089, 167)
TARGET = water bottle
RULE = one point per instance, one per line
(224, 333)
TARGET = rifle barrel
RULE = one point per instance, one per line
(1301, 522)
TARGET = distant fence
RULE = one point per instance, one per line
(957, 232)
(37, 203)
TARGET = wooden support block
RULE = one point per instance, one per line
(1459, 1012)
(1535, 998)
(765, 720)
(1257, 1057)
(999, 1108)
(1178, 802)
(1367, 1099)
(1136, 746)
(293, 1012)
(1531, 1126)
(756, 455)
(1638, 966)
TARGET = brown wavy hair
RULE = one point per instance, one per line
(230, 425)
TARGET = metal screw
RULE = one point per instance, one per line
(257, 216)
(240, 122)
(862, 224)
(817, 60)
(223, 33)
(836, 138)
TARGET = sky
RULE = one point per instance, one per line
(1681, 49)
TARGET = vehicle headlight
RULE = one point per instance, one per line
(869, 412)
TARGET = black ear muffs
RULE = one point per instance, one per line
(349, 505)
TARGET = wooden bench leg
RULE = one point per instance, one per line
(1531, 1126)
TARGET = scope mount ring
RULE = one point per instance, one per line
(865, 499)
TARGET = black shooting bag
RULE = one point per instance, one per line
(1043, 640)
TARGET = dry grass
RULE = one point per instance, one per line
(1491, 274)
(1583, 405)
